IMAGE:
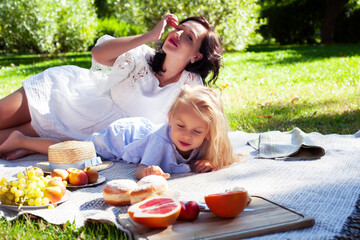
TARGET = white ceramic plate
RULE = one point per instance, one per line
(100, 180)
(16, 208)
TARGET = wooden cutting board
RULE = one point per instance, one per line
(268, 217)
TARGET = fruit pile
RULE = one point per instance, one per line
(162, 211)
(31, 188)
(76, 177)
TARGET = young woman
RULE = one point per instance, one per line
(196, 135)
(127, 79)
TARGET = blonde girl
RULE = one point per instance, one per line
(194, 139)
(207, 104)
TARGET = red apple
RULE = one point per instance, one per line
(60, 173)
(92, 174)
(57, 182)
(54, 194)
(189, 210)
(78, 177)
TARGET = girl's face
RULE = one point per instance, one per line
(188, 129)
(185, 41)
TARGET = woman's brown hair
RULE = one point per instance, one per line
(210, 48)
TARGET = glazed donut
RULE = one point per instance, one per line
(117, 192)
(142, 192)
(158, 182)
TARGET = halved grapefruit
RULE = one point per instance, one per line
(227, 204)
(156, 212)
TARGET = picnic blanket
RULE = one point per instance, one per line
(326, 189)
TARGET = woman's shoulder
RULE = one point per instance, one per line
(191, 78)
(142, 51)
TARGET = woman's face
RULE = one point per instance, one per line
(188, 129)
(185, 41)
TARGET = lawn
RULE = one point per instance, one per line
(315, 88)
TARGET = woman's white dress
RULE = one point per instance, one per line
(69, 101)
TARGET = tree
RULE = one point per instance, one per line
(333, 9)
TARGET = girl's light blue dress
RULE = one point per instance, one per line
(139, 141)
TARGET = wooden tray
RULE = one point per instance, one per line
(268, 218)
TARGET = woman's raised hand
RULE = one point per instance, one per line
(168, 20)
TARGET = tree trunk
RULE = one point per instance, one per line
(333, 9)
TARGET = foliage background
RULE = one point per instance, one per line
(47, 26)
(69, 25)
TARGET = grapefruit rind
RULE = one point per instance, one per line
(227, 204)
(156, 212)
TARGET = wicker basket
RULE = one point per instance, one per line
(71, 152)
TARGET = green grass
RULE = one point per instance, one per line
(27, 227)
(315, 88)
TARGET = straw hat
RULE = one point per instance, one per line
(71, 152)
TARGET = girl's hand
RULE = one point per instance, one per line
(168, 20)
(202, 166)
(155, 170)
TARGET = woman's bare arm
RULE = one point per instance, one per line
(107, 52)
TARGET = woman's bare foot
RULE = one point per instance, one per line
(11, 144)
(16, 154)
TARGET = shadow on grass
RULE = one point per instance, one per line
(15, 59)
(34, 69)
(305, 53)
(285, 118)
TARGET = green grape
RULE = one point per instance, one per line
(14, 183)
(31, 202)
(13, 190)
(45, 201)
(4, 189)
(22, 181)
(33, 178)
(19, 193)
(32, 186)
(10, 196)
(39, 193)
(31, 193)
(21, 186)
(3, 180)
(20, 175)
(30, 174)
(37, 201)
(17, 199)
(41, 184)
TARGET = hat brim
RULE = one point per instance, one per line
(46, 168)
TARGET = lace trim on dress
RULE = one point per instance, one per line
(192, 78)
(144, 71)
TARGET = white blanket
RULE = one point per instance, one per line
(325, 189)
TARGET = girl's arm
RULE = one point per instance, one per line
(143, 171)
(107, 52)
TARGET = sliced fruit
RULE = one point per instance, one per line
(227, 204)
(156, 212)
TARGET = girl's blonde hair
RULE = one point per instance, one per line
(207, 103)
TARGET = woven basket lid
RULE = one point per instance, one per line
(71, 152)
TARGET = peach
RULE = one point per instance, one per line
(69, 170)
(57, 182)
(38, 171)
(60, 173)
(54, 194)
(78, 177)
(92, 174)
(189, 210)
